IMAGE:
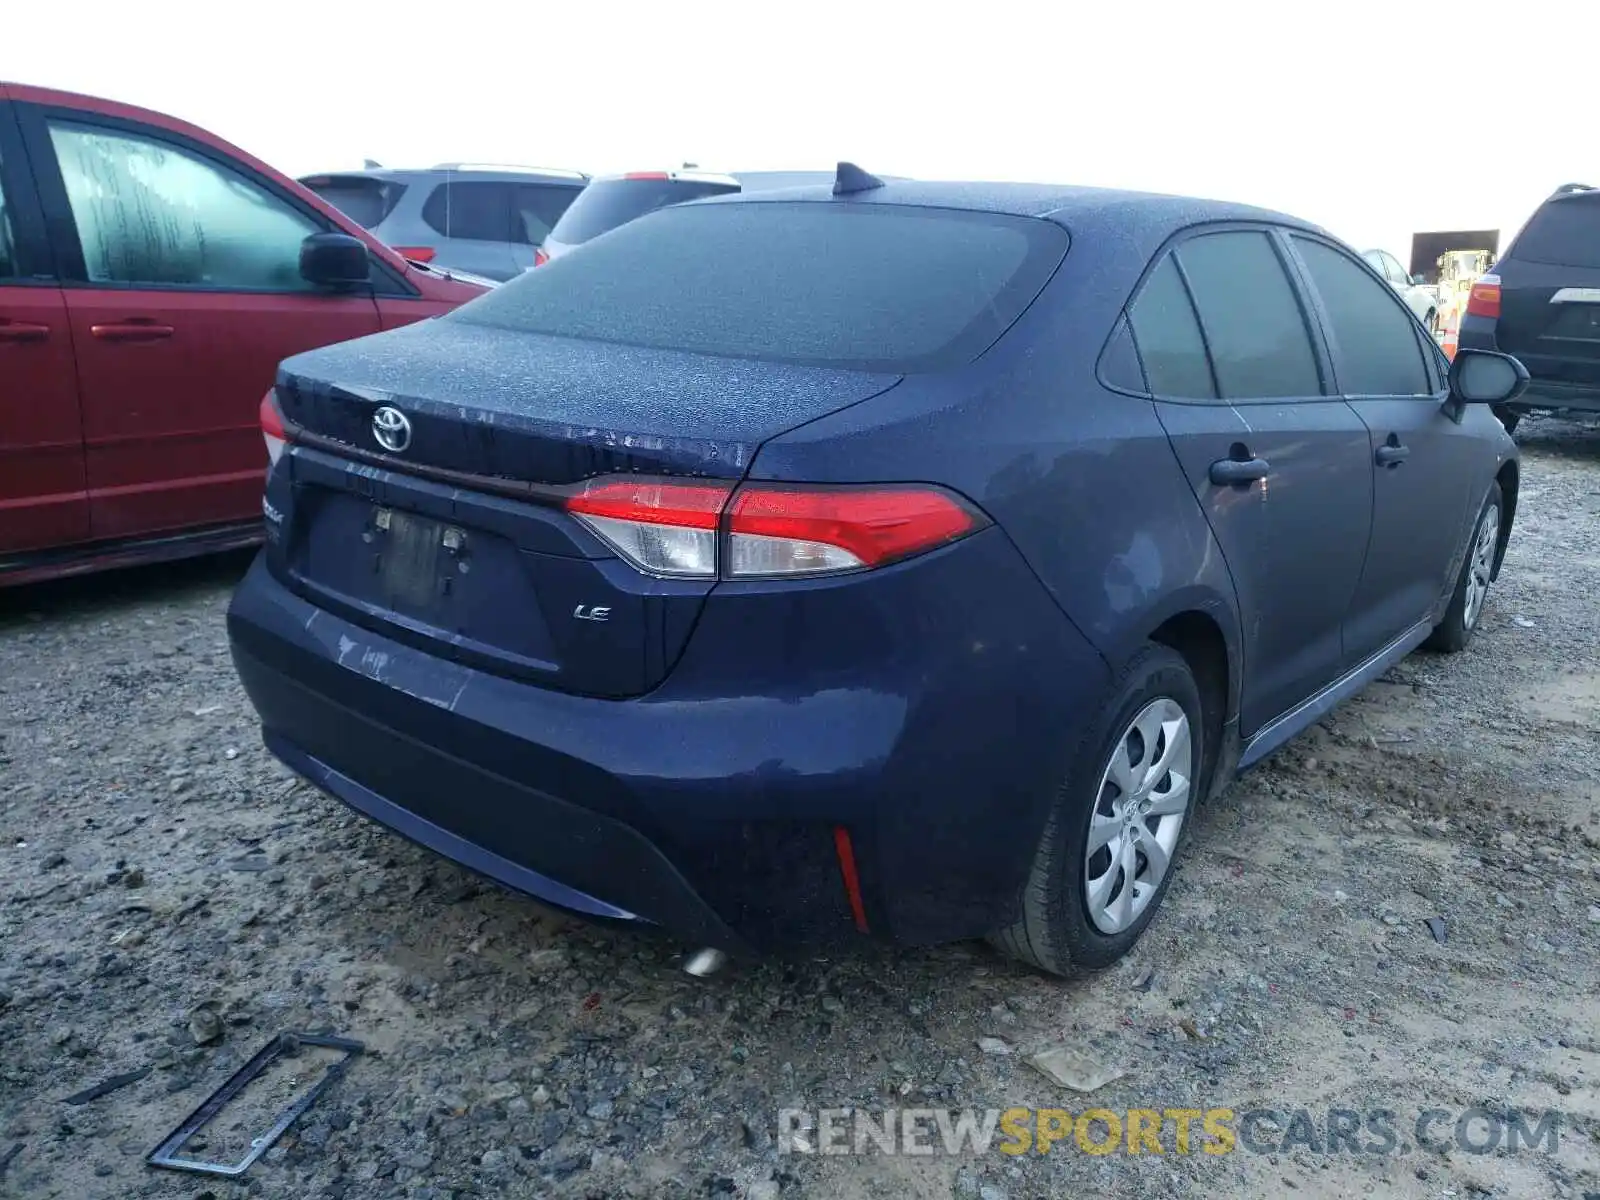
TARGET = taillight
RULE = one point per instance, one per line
(1484, 299)
(782, 530)
(272, 427)
(768, 530)
(421, 254)
(540, 257)
(647, 175)
(661, 528)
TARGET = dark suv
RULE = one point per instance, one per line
(1542, 304)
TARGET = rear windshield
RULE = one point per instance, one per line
(864, 287)
(607, 203)
(364, 200)
(1565, 232)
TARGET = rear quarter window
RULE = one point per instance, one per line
(1564, 232)
(868, 287)
(364, 200)
(1167, 336)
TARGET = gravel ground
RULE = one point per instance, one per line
(170, 897)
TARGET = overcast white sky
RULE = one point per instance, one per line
(1373, 119)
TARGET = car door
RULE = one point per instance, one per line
(44, 501)
(474, 217)
(1281, 468)
(180, 272)
(1422, 461)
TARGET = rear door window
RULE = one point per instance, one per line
(869, 287)
(365, 200)
(1167, 336)
(608, 203)
(1251, 316)
(476, 211)
(1564, 232)
(1377, 349)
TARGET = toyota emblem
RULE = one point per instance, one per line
(392, 429)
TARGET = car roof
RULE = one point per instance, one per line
(1063, 203)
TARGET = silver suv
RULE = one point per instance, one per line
(613, 200)
(483, 219)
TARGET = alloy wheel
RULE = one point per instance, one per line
(1139, 812)
(1480, 566)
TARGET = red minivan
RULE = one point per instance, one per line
(152, 276)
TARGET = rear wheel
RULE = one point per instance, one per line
(1472, 584)
(1105, 860)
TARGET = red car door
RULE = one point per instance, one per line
(180, 266)
(44, 499)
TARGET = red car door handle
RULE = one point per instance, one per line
(23, 331)
(131, 331)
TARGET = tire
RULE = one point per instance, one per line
(1058, 929)
(1508, 417)
(1465, 610)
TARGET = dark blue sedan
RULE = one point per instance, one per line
(899, 561)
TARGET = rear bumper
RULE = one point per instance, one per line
(709, 807)
(1566, 397)
(1478, 333)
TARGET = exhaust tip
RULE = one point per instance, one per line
(704, 963)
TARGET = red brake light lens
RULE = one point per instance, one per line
(768, 531)
(272, 430)
(1484, 299)
(647, 175)
(540, 258)
(421, 254)
(785, 530)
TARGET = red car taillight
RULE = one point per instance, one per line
(421, 254)
(540, 257)
(1484, 298)
(272, 431)
(768, 530)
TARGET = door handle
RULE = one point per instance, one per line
(1238, 470)
(1392, 453)
(135, 330)
(23, 331)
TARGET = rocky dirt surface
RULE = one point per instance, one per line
(171, 898)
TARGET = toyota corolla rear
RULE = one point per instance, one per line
(531, 598)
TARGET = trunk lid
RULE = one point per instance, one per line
(535, 409)
(454, 543)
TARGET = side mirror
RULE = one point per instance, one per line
(334, 260)
(1486, 377)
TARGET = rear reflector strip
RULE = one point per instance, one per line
(852, 881)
